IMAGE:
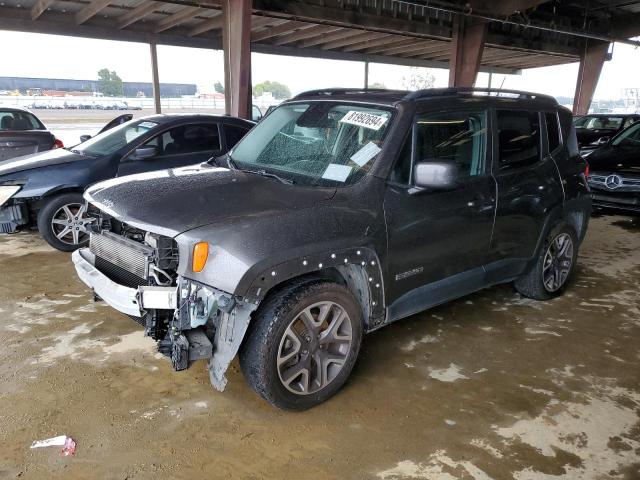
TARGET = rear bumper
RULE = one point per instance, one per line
(130, 301)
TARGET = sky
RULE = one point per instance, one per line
(55, 56)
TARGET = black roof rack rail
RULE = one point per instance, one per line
(451, 91)
(343, 91)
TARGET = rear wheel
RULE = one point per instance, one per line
(549, 276)
(303, 345)
(63, 222)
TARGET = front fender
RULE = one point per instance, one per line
(255, 287)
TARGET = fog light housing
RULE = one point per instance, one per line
(200, 255)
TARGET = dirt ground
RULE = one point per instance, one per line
(492, 386)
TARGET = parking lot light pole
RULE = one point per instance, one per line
(156, 78)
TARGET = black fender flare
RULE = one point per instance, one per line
(363, 257)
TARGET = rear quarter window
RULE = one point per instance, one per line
(553, 131)
(18, 121)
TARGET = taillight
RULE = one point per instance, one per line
(586, 171)
(58, 143)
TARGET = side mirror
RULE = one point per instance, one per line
(84, 138)
(603, 141)
(142, 153)
(435, 175)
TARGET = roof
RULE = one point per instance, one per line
(172, 117)
(611, 114)
(391, 97)
(14, 109)
(521, 33)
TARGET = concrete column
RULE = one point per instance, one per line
(236, 42)
(155, 77)
(467, 46)
(591, 63)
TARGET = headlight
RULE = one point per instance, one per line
(8, 191)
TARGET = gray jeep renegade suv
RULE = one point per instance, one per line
(339, 213)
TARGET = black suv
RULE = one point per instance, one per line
(339, 213)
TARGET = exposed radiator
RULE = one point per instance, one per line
(127, 254)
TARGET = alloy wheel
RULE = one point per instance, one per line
(70, 222)
(557, 262)
(314, 348)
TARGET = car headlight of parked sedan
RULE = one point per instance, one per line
(8, 191)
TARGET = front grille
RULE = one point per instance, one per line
(118, 274)
(128, 255)
(621, 183)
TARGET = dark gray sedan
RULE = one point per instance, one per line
(22, 133)
(45, 189)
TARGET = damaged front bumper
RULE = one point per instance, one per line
(13, 216)
(203, 323)
(129, 301)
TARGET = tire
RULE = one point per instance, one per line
(281, 344)
(58, 225)
(537, 283)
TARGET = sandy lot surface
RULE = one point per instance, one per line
(492, 386)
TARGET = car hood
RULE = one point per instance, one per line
(170, 202)
(37, 160)
(619, 159)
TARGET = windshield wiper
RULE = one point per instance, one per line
(264, 173)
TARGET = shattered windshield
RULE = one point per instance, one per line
(316, 143)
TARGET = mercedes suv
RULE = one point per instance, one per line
(341, 212)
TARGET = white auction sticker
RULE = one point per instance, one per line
(366, 153)
(363, 119)
(336, 172)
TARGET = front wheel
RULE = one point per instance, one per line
(63, 222)
(303, 345)
(549, 275)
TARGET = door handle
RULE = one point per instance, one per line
(481, 202)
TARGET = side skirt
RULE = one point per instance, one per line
(456, 286)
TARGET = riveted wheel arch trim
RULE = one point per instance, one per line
(364, 257)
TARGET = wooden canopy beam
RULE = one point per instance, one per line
(466, 51)
(591, 63)
(312, 32)
(236, 40)
(358, 37)
(214, 23)
(285, 28)
(39, 8)
(90, 10)
(143, 9)
(177, 18)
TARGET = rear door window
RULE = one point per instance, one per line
(518, 138)
(202, 137)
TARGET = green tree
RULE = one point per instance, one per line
(109, 83)
(218, 87)
(278, 90)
